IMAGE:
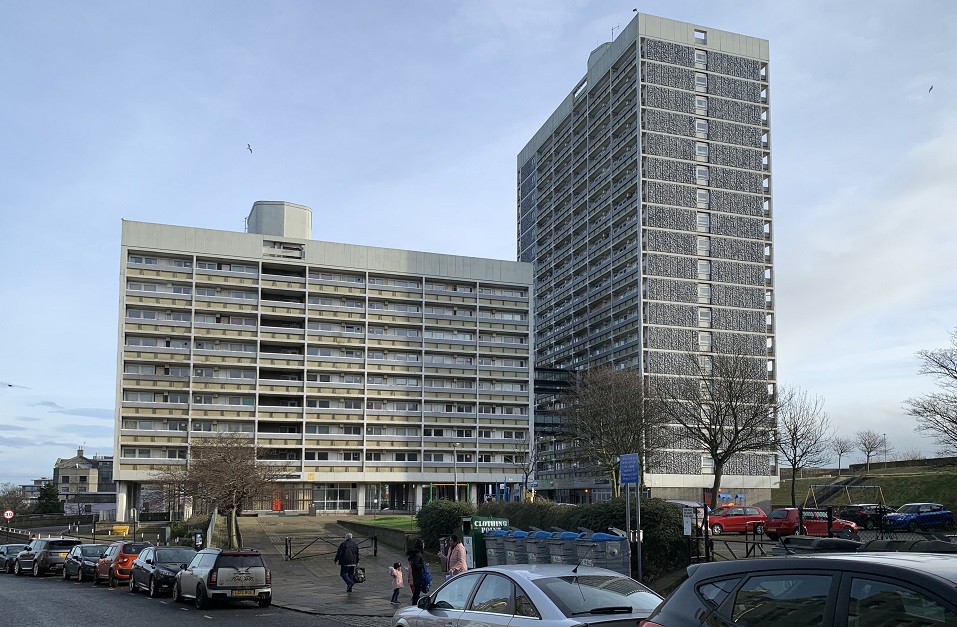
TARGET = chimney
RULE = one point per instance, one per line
(79, 452)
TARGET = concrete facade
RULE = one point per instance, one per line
(644, 202)
(378, 378)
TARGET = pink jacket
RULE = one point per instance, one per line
(457, 562)
(396, 577)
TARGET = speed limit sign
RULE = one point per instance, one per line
(7, 514)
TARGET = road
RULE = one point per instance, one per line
(50, 601)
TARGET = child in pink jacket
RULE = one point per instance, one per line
(397, 585)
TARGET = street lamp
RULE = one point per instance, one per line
(455, 468)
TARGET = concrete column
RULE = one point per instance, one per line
(417, 496)
(122, 492)
(361, 499)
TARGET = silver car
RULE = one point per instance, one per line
(536, 595)
(226, 575)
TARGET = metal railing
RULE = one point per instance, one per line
(297, 547)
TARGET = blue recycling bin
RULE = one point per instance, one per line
(536, 547)
(495, 546)
(515, 552)
(562, 548)
(605, 550)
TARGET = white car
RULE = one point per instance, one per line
(224, 575)
(536, 595)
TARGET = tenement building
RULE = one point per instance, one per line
(375, 378)
(644, 202)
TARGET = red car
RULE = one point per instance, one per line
(784, 522)
(116, 562)
(739, 518)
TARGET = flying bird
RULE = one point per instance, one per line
(250, 148)
(931, 89)
(12, 385)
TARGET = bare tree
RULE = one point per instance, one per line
(936, 413)
(841, 447)
(869, 443)
(525, 459)
(726, 408)
(608, 413)
(911, 455)
(223, 470)
(802, 433)
(13, 498)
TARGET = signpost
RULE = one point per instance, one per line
(630, 470)
(8, 514)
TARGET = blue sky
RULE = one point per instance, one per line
(399, 123)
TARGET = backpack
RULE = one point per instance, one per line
(426, 578)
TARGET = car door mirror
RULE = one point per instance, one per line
(424, 602)
(149, 561)
(102, 555)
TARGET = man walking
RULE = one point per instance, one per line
(347, 556)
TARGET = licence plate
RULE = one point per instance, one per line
(244, 593)
(62, 554)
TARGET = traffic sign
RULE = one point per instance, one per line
(8, 514)
(629, 467)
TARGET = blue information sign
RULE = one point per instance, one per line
(629, 467)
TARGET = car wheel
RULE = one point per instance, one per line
(132, 585)
(152, 590)
(36, 568)
(112, 579)
(66, 574)
(16, 568)
(264, 602)
(913, 526)
(759, 529)
(202, 601)
(716, 530)
(177, 593)
(79, 575)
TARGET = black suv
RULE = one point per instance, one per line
(865, 589)
(225, 574)
(866, 515)
(44, 555)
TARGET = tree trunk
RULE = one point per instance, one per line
(716, 486)
(793, 487)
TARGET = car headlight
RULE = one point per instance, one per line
(166, 572)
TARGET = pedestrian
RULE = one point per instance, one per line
(397, 585)
(417, 569)
(347, 556)
(457, 560)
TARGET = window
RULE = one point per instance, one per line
(494, 596)
(316, 456)
(701, 59)
(700, 81)
(704, 341)
(433, 433)
(701, 105)
(704, 222)
(463, 433)
(702, 174)
(352, 430)
(701, 151)
(704, 245)
(485, 433)
(485, 459)
(352, 404)
(406, 457)
(700, 37)
(704, 270)
(704, 317)
(704, 293)
(202, 425)
(701, 129)
(706, 367)
(406, 431)
(350, 457)
(783, 599)
(373, 457)
(138, 397)
(885, 603)
(139, 369)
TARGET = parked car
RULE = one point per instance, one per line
(866, 515)
(43, 555)
(227, 575)
(784, 522)
(8, 556)
(919, 516)
(816, 589)
(115, 563)
(543, 595)
(81, 561)
(155, 568)
(738, 518)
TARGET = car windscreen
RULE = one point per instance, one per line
(134, 548)
(93, 551)
(778, 513)
(174, 556)
(239, 561)
(576, 595)
(909, 509)
(62, 545)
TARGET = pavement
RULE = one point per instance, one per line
(310, 582)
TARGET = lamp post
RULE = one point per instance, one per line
(455, 468)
